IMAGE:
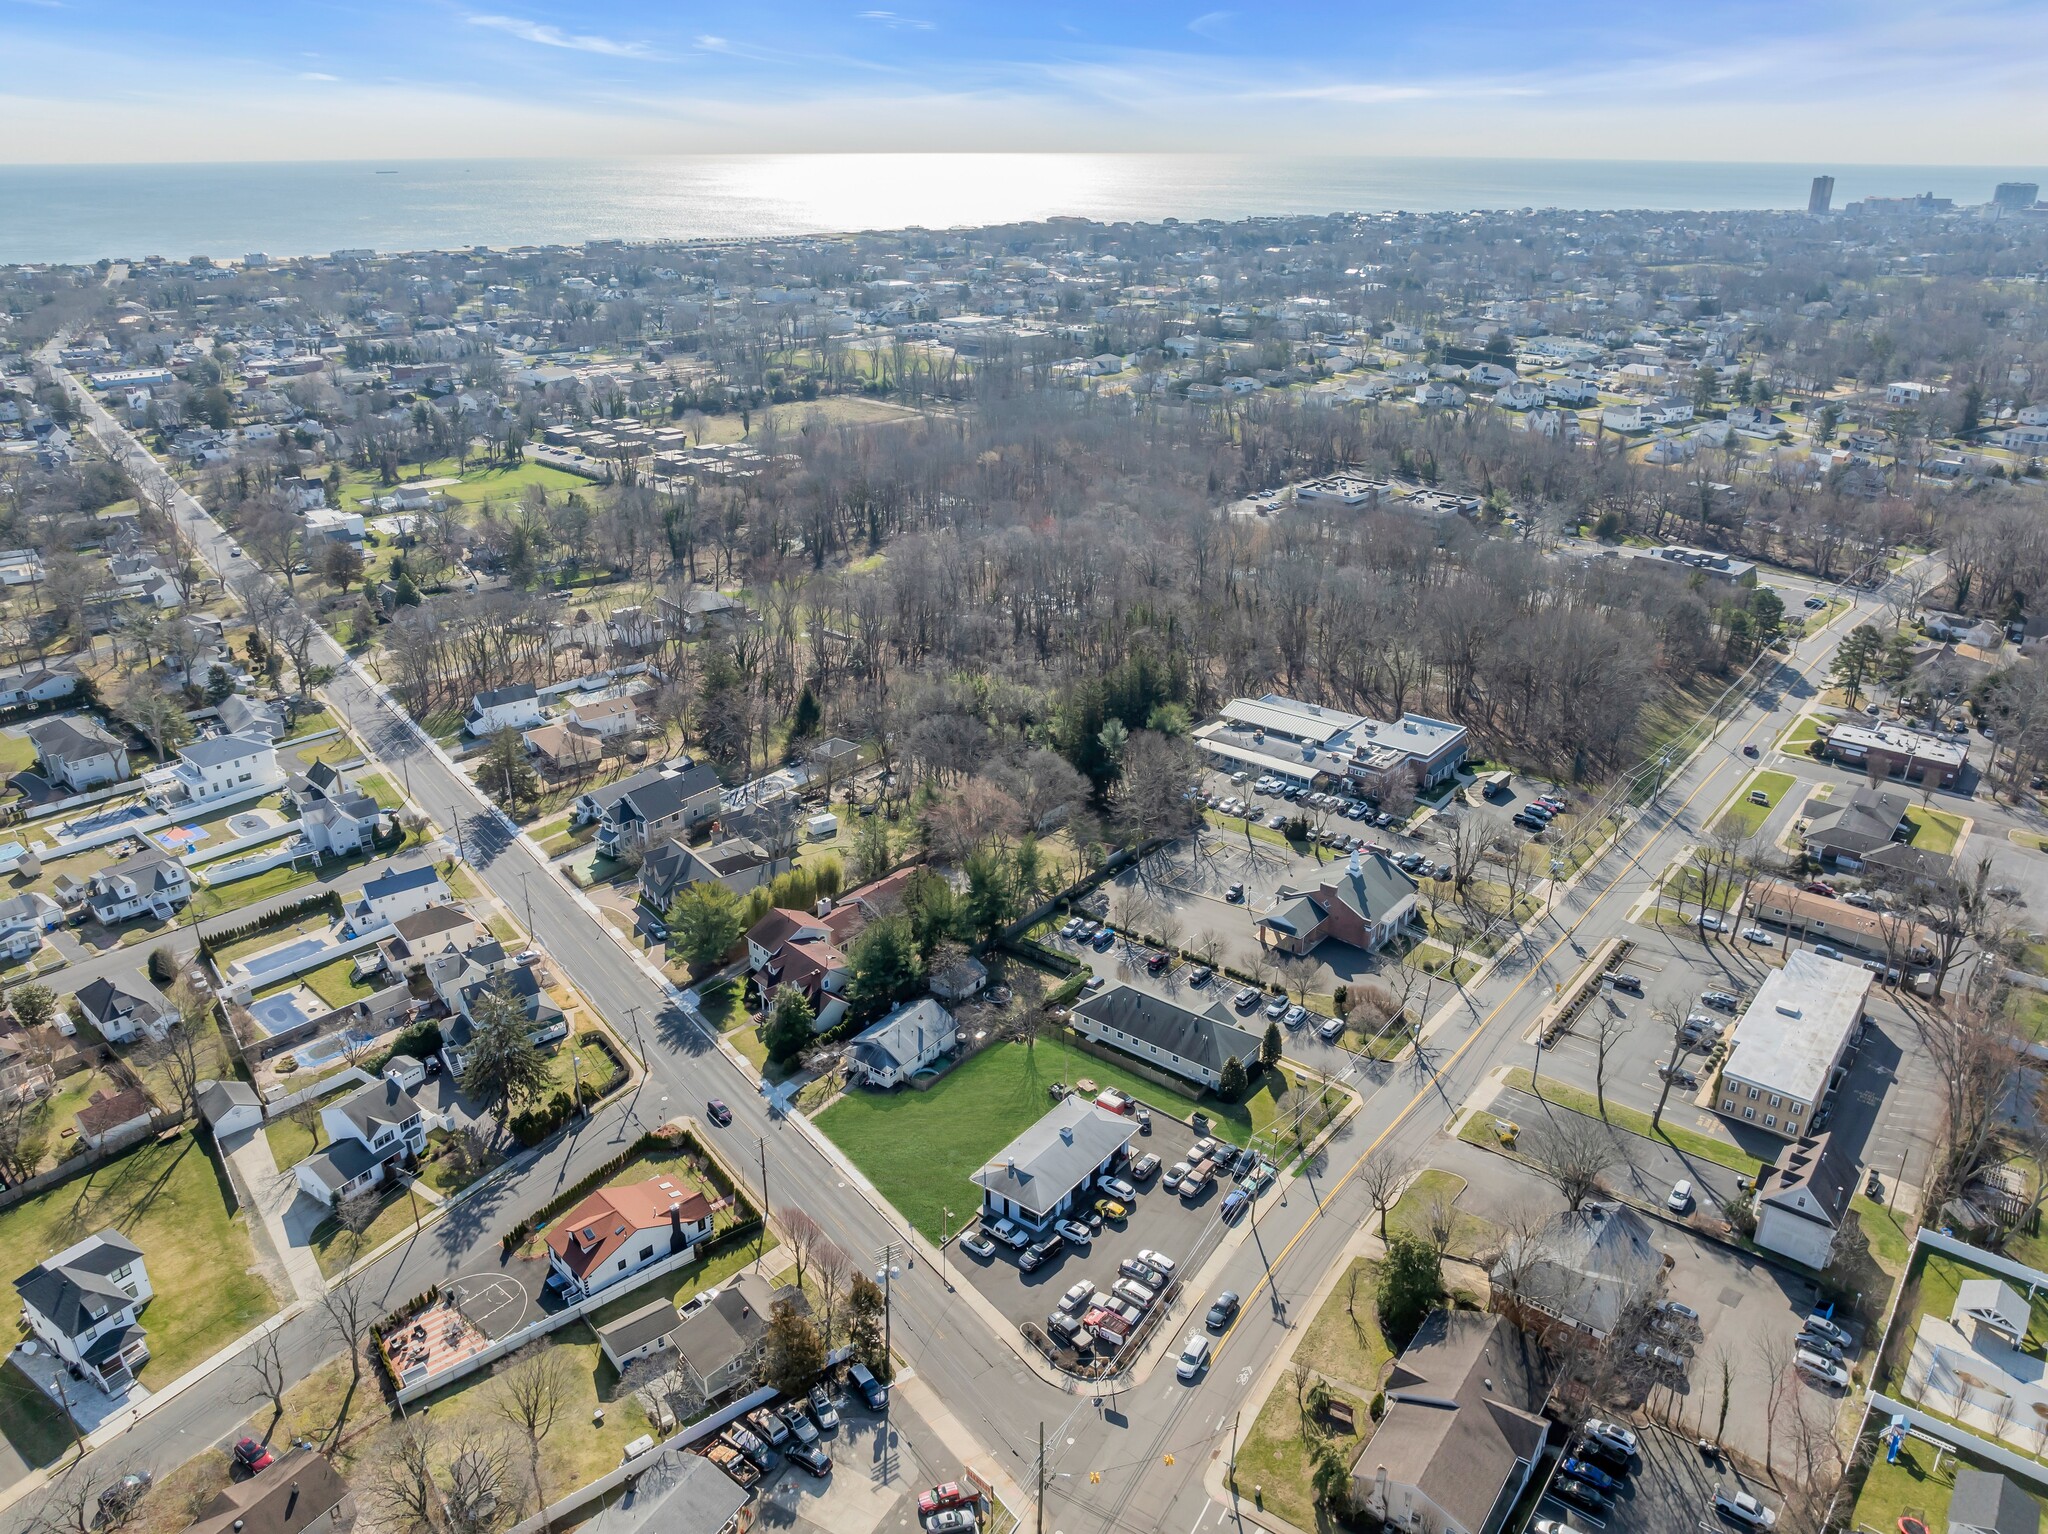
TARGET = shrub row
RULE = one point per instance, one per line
(330, 899)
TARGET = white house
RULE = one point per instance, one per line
(390, 896)
(910, 1039)
(78, 753)
(23, 920)
(153, 884)
(1800, 1201)
(616, 1232)
(1439, 395)
(1519, 395)
(1492, 375)
(82, 1303)
(1571, 391)
(229, 1107)
(335, 816)
(121, 1014)
(506, 708)
(35, 682)
(368, 1132)
(221, 767)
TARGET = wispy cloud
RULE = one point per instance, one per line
(314, 74)
(547, 36)
(1209, 23)
(896, 21)
(706, 43)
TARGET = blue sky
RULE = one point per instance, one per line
(1794, 80)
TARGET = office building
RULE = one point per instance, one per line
(1790, 1043)
(2016, 196)
(1823, 194)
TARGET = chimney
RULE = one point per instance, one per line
(291, 1502)
(1067, 1133)
(675, 1228)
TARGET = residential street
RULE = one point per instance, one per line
(981, 1377)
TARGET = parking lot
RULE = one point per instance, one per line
(1671, 1486)
(1181, 1229)
(879, 1465)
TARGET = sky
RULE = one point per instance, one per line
(125, 81)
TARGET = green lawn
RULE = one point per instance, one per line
(1804, 732)
(2028, 1010)
(920, 1148)
(720, 1005)
(505, 483)
(29, 1422)
(1740, 814)
(333, 983)
(446, 1173)
(17, 753)
(218, 901)
(1934, 830)
(378, 787)
(598, 1068)
(1685, 1141)
(335, 1248)
(289, 1144)
(311, 724)
(167, 1198)
(1470, 1235)
(1889, 1241)
(1343, 1343)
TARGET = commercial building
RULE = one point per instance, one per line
(1305, 743)
(1049, 1168)
(1883, 938)
(1584, 1270)
(1192, 1045)
(1351, 490)
(1365, 904)
(1897, 753)
(1790, 1042)
(1821, 196)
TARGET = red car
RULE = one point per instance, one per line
(251, 1455)
(718, 1112)
(1819, 887)
(939, 1498)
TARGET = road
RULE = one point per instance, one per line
(1126, 1440)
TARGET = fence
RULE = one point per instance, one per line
(115, 1144)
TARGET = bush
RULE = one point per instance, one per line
(163, 965)
(1411, 1283)
(421, 1040)
(532, 1125)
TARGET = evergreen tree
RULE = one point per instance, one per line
(1269, 1047)
(793, 1354)
(1411, 1282)
(505, 1067)
(705, 922)
(1234, 1082)
(886, 967)
(806, 716)
(506, 770)
(788, 1029)
(865, 1325)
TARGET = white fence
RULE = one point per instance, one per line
(1883, 1406)
(231, 869)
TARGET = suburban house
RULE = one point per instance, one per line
(1166, 1035)
(1801, 1200)
(428, 934)
(788, 947)
(243, 715)
(153, 884)
(390, 896)
(913, 1037)
(672, 867)
(1315, 746)
(1050, 1168)
(299, 1491)
(1985, 1502)
(653, 806)
(1463, 1429)
(1365, 904)
(81, 1304)
(506, 708)
(562, 748)
(218, 768)
(375, 1127)
(618, 1231)
(77, 753)
(487, 970)
(35, 682)
(336, 817)
(229, 1107)
(697, 609)
(611, 718)
(1789, 1043)
(1584, 1269)
(720, 1340)
(112, 1114)
(639, 1333)
(24, 918)
(121, 1014)
(674, 1489)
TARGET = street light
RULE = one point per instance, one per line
(945, 1235)
(885, 1271)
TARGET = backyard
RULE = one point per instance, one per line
(1935, 831)
(920, 1147)
(168, 1198)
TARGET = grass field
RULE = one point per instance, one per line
(1470, 1235)
(378, 787)
(1804, 731)
(1743, 816)
(1934, 830)
(166, 1197)
(333, 984)
(920, 1148)
(505, 483)
(335, 1248)
(1631, 1121)
(2028, 1010)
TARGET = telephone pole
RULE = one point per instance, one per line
(761, 1240)
(1039, 1472)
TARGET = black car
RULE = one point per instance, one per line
(1580, 1495)
(1037, 1256)
(1597, 1451)
(1224, 1308)
(812, 1457)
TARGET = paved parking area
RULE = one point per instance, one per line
(878, 1467)
(1161, 1221)
(1671, 1487)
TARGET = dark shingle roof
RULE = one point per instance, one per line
(76, 1294)
(1206, 1038)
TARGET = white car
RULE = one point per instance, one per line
(1007, 1233)
(1816, 1366)
(1078, 1296)
(1613, 1434)
(1193, 1354)
(1158, 1260)
(1758, 936)
(1681, 1196)
(1712, 924)
(1743, 1508)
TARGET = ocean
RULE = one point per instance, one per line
(72, 213)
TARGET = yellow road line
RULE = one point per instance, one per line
(1477, 1033)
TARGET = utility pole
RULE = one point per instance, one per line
(761, 1240)
(1231, 1480)
(1039, 1474)
(945, 1235)
(527, 889)
(885, 1270)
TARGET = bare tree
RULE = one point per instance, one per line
(831, 1268)
(1610, 1027)
(1572, 1153)
(473, 1485)
(71, 1504)
(1774, 1360)
(264, 1377)
(351, 1317)
(801, 1234)
(530, 1396)
(1382, 1178)
(1672, 1020)
(1440, 1221)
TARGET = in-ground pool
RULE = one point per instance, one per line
(287, 1009)
(274, 960)
(328, 1048)
(85, 825)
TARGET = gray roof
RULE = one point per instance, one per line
(105, 1000)
(1206, 1038)
(673, 1490)
(1868, 821)
(221, 749)
(342, 1162)
(1048, 1161)
(906, 1037)
(217, 1099)
(637, 1328)
(731, 1322)
(1812, 1180)
(375, 1104)
(518, 692)
(1991, 1503)
(74, 1293)
(1585, 1266)
(667, 793)
(71, 740)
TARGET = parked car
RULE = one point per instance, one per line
(821, 1408)
(1078, 1294)
(1658, 1357)
(119, 1499)
(1074, 1230)
(1294, 1017)
(954, 1520)
(1235, 893)
(1680, 1199)
(1141, 1270)
(947, 1494)
(1720, 1001)
(251, 1456)
(1614, 1433)
(1221, 1311)
(1677, 1310)
(1175, 1174)
(1552, 1526)
(1591, 1474)
(1825, 1370)
(1156, 1260)
(1277, 1008)
(717, 1112)
(811, 1457)
(800, 1425)
(1233, 1204)
(1712, 923)
(1824, 1326)
(1749, 750)
(1040, 1253)
(1812, 1342)
(1071, 927)
(1144, 1166)
(1581, 1495)
(975, 1243)
(1131, 1292)
(1331, 1031)
(1744, 1509)
(1110, 1209)
(1200, 975)
(1121, 1189)
(1597, 1451)
(1104, 940)
(1758, 936)
(1010, 1235)
(1245, 999)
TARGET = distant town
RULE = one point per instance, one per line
(1362, 872)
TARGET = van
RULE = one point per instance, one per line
(1193, 1354)
(1758, 796)
(872, 1390)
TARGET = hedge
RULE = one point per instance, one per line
(283, 915)
(653, 1139)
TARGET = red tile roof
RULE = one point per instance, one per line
(595, 1229)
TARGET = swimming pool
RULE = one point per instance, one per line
(323, 1050)
(85, 825)
(287, 1009)
(274, 960)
